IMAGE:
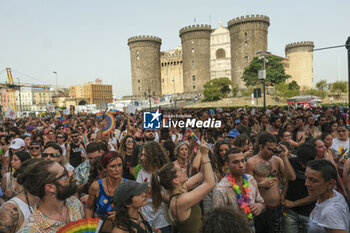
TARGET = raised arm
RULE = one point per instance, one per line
(91, 202)
(189, 199)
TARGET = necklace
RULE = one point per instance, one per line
(242, 200)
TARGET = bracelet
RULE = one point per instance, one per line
(205, 162)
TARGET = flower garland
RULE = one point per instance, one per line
(242, 200)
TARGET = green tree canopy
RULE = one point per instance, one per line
(275, 72)
(322, 85)
(339, 87)
(216, 89)
(287, 90)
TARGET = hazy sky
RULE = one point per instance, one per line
(87, 39)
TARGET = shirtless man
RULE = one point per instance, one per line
(266, 167)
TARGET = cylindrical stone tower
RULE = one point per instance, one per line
(195, 42)
(248, 35)
(145, 65)
(300, 63)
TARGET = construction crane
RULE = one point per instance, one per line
(11, 87)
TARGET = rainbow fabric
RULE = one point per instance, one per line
(64, 121)
(110, 124)
(99, 115)
(166, 122)
(34, 131)
(85, 225)
(198, 141)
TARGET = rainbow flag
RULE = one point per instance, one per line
(110, 124)
(166, 122)
(99, 115)
(34, 131)
(64, 121)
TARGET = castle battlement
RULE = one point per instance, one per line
(197, 27)
(144, 38)
(249, 18)
(299, 44)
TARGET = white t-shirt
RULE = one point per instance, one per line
(69, 167)
(155, 218)
(332, 213)
(64, 151)
(338, 146)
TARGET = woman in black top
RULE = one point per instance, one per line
(129, 197)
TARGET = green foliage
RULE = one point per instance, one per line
(339, 87)
(275, 73)
(320, 93)
(248, 91)
(217, 89)
(322, 85)
(287, 90)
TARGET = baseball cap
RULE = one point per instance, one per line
(17, 143)
(126, 190)
(233, 133)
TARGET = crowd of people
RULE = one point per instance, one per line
(275, 170)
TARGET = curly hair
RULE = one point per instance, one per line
(156, 156)
(218, 162)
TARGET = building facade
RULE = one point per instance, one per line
(208, 53)
(94, 92)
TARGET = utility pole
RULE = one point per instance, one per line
(56, 79)
(20, 98)
(262, 73)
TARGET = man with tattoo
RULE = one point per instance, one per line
(266, 167)
(14, 212)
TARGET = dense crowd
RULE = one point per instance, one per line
(275, 170)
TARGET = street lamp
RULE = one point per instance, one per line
(56, 78)
(20, 98)
(262, 73)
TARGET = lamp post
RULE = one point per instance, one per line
(56, 78)
(262, 73)
(347, 46)
(20, 98)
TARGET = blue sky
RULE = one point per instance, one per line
(87, 39)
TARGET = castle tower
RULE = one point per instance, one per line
(248, 35)
(300, 63)
(195, 42)
(145, 65)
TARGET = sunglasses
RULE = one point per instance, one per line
(34, 148)
(342, 131)
(60, 137)
(75, 136)
(52, 155)
(128, 141)
(64, 176)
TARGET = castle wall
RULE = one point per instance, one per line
(171, 71)
(220, 53)
(300, 63)
(195, 42)
(248, 35)
(145, 65)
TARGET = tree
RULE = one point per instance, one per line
(216, 89)
(287, 90)
(322, 85)
(275, 72)
(339, 87)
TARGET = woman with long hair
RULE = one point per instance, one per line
(126, 149)
(220, 149)
(99, 203)
(9, 184)
(182, 155)
(153, 157)
(185, 193)
(129, 197)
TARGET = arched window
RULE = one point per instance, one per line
(220, 54)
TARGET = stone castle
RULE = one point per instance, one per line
(206, 54)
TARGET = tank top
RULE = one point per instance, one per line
(75, 155)
(104, 202)
(139, 229)
(193, 222)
